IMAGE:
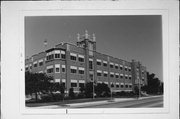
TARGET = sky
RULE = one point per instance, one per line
(124, 37)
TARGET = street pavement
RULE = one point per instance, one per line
(143, 102)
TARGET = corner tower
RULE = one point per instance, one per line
(88, 43)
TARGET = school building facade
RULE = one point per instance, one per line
(75, 64)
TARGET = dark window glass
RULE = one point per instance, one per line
(111, 66)
(64, 84)
(129, 77)
(98, 74)
(81, 71)
(105, 75)
(90, 65)
(105, 64)
(81, 84)
(91, 77)
(112, 75)
(57, 55)
(50, 70)
(35, 65)
(81, 59)
(126, 86)
(117, 76)
(112, 85)
(116, 67)
(98, 63)
(122, 86)
(40, 63)
(73, 84)
(63, 56)
(73, 70)
(121, 68)
(117, 86)
(129, 69)
(73, 58)
(57, 69)
(63, 69)
(121, 77)
(130, 86)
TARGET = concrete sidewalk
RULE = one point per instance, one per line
(92, 103)
(114, 100)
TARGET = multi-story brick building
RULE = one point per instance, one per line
(76, 64)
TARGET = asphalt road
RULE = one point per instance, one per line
(138, 103)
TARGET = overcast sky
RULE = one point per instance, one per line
(124, 37)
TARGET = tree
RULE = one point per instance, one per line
(102, 90)
(37, 82)
(71, 93)
(153, 84)
(136, 91)
(88, 89)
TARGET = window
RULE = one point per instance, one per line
(126, 86)
(143, 79)
(73, 70)
(121, 76)
(30, 66)
(111, 65)
(125, 68)
(117, 85)
(81, 85)
(64, 82)
(116, 66)
(73, 84)
(81, 70)
(40, 63)
(105, 63)
(105, 73)
(122, 86)
(26, 68)
(63, 56)
(35, 64)
(129, 69)
(73, 56)
(90, 63)
(111, 74)
(98, 62)
(57, 68)
(81, 58)
(50, 70)
(112, 85)
(99, 73)
(129, 77)
(126, 77)
(57, 56)
(117, 76)
(91, 77)
(130, 86)
(121, 68)
(63, 68)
